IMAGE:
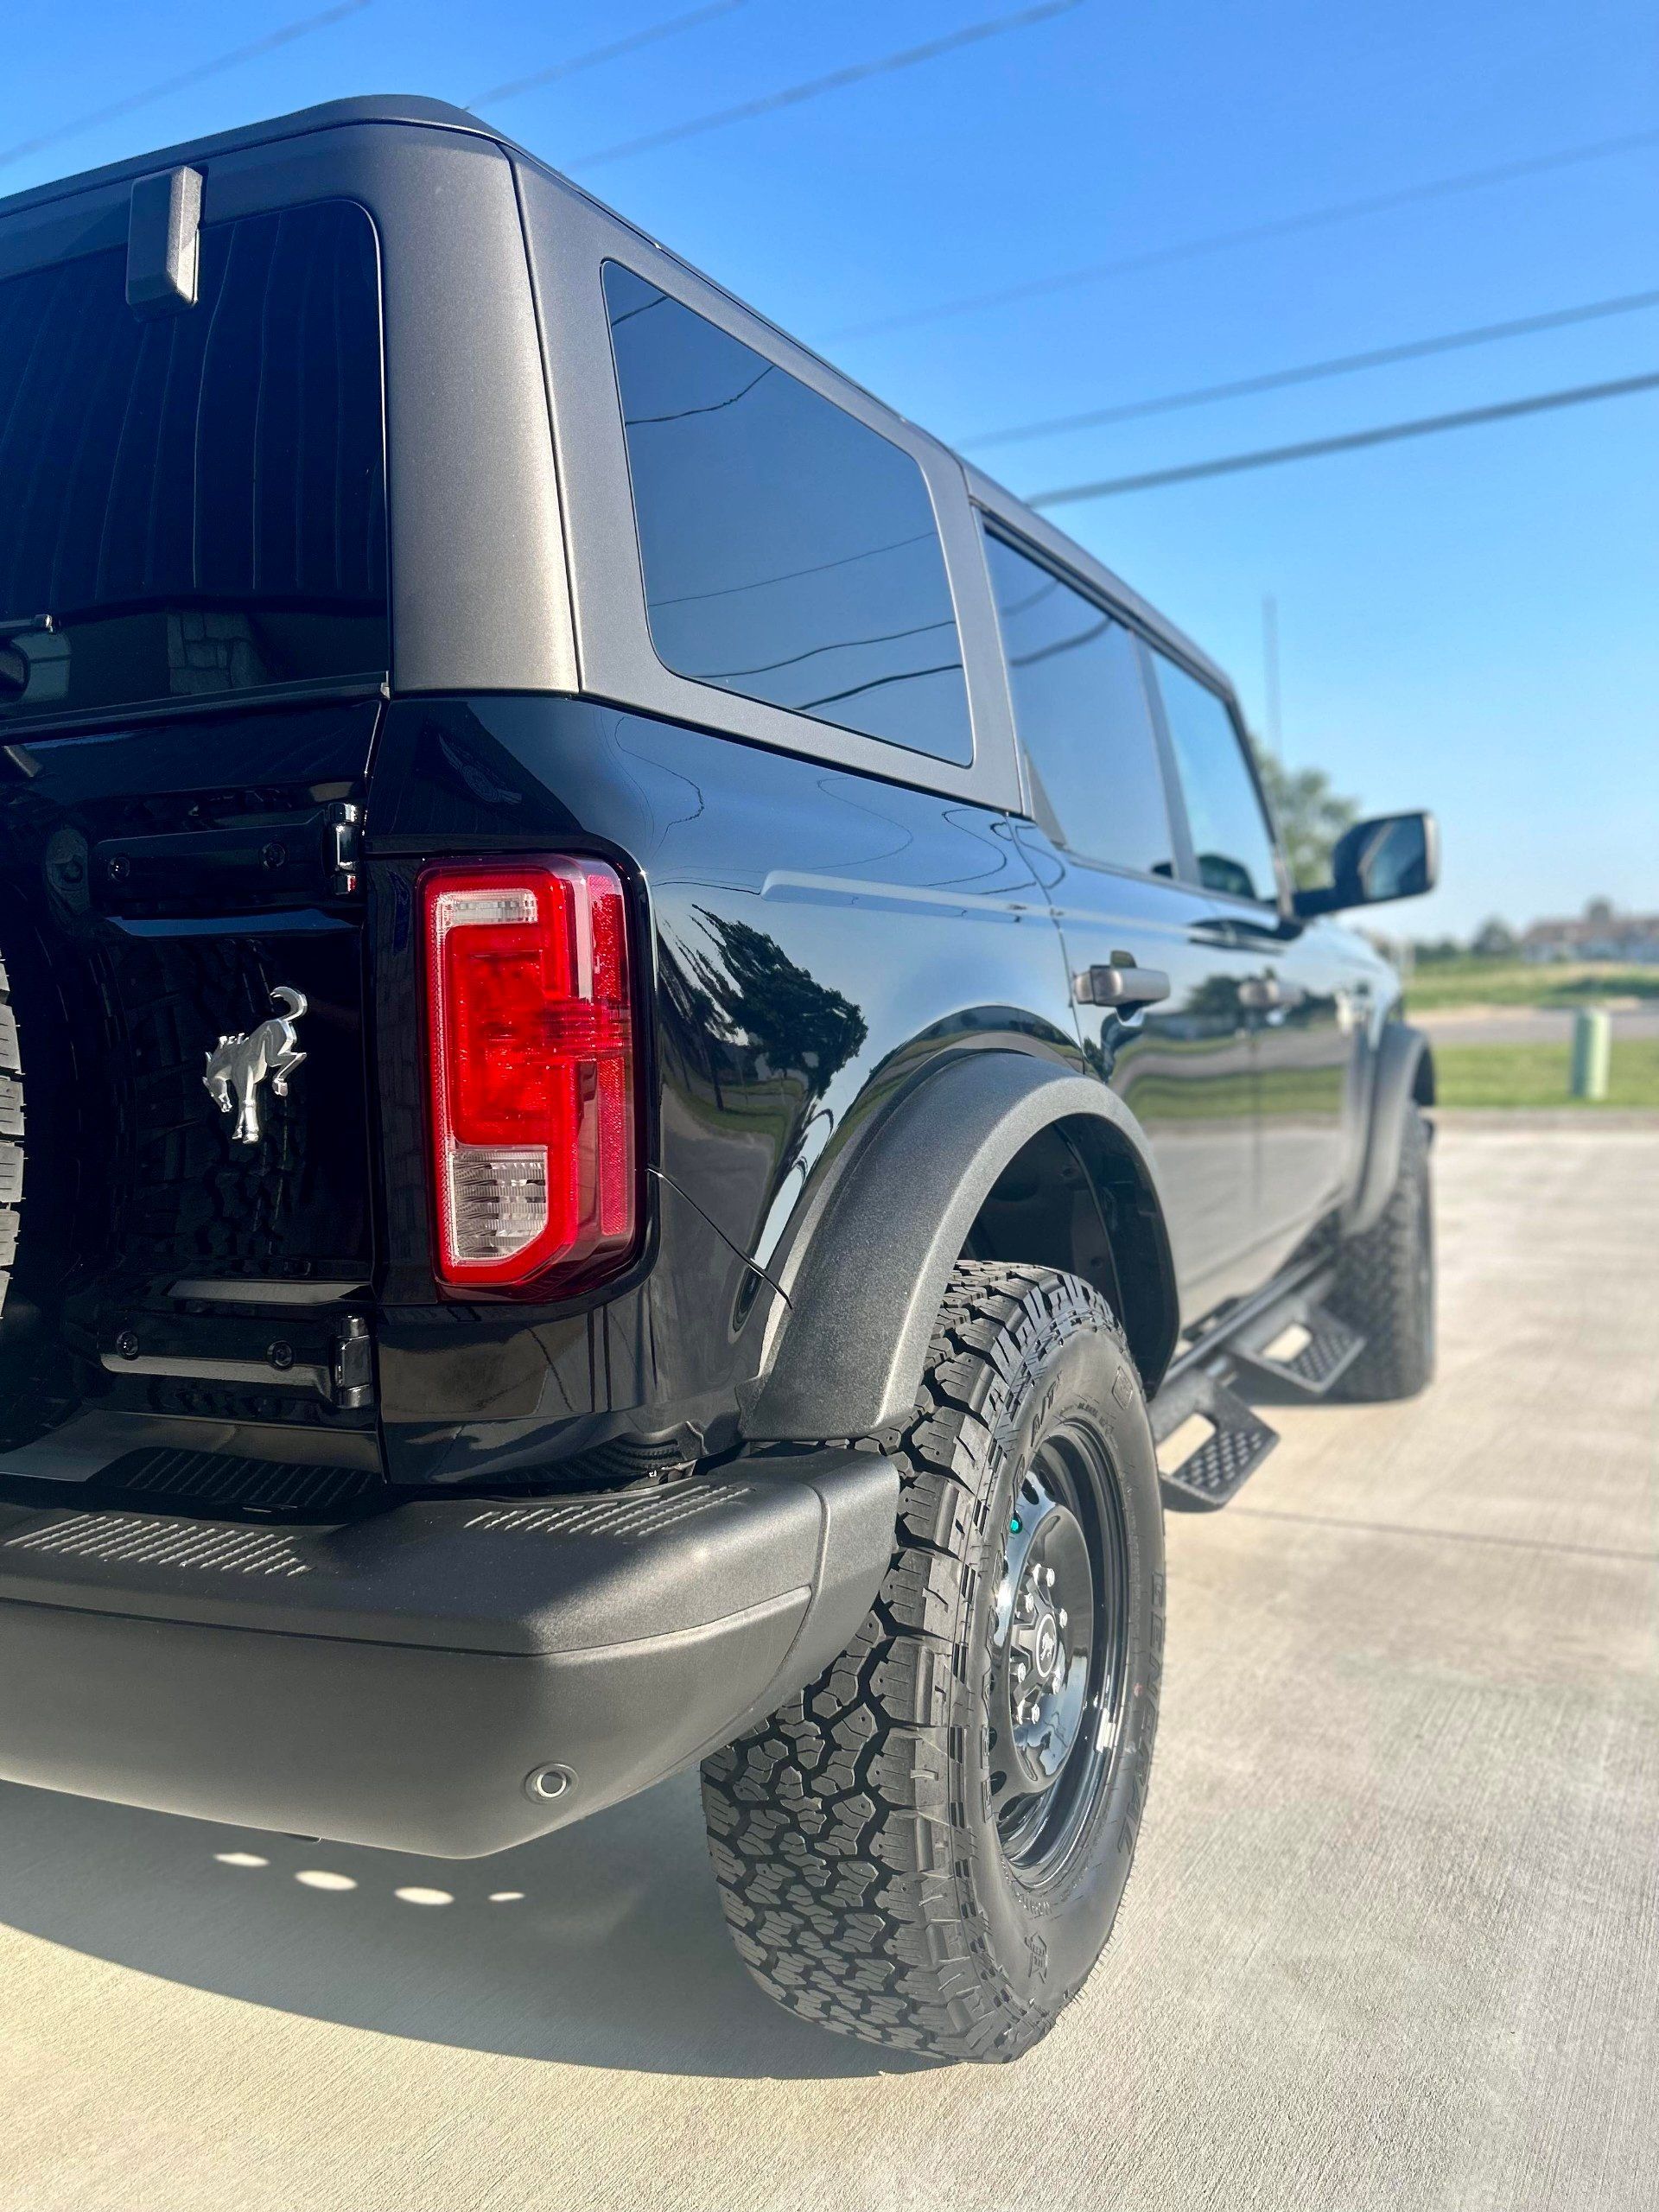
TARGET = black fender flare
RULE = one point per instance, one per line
(1404, 1076)
(868, 1267)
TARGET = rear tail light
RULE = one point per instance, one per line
(530, 1072)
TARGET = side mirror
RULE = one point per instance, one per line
(1394, 856)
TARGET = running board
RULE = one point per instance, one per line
(1300, 1343)
(1222, 1460)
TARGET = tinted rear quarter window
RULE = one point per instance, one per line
(1231, 836)
(196, 500)
(790, 552)
(1080, 711)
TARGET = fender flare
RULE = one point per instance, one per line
(869, 1270)
(1404, 1076)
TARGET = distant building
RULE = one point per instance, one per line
(1601, 932)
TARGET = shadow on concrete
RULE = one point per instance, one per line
(603, 1946)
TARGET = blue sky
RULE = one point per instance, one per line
(1467, 621)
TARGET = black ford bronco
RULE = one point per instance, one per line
(661, 1081)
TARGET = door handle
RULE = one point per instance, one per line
(1120, 984)
(1266, 994)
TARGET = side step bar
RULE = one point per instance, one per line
(1291, 1339)
(1300, 1344)
(1223, 1461)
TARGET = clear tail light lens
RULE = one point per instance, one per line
(530, 1072)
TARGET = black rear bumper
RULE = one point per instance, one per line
(422, 1679)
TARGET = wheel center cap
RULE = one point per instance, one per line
(1048, 1646)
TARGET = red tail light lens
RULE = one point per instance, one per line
(531, 1071)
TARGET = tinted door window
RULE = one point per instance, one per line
(1080, 707)
(198, 501)
(1231, 836)
(790, 553)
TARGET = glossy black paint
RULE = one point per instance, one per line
(817, 936)
(810, 941)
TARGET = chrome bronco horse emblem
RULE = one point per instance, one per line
(238, 1065)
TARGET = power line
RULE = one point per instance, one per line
(203, 69)
(648, 36)
(813, 88)
(1341, 365)
(1312, 218)
(1267, 456)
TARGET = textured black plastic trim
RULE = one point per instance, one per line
(220, 1482)
(865, 1292)
(1401, 1053)
(395, 1681)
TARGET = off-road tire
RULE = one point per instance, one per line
(1385, 1283)
(858, 1863)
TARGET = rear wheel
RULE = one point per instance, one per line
(1385, 1283)
(927, 1848)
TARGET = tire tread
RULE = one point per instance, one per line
(1379, 1284)
(833, 1826)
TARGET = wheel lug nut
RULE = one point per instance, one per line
(1062, 1615)
(1048, 1578)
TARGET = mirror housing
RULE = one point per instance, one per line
(1390, 856)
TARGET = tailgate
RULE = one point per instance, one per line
(194, 1256)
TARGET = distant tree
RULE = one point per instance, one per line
(1312, 817)
(1494, 940)
(1429, 950)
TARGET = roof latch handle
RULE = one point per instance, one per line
(164, 242)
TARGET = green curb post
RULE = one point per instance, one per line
(1593, 1052)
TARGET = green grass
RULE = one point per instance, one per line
(1512, 982)
(1537, 1075)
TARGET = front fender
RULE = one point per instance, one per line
(865, 1286)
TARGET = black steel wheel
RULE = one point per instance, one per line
(1061, 1649)
(927, 1848)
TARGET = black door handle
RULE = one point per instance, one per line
(1120, 985)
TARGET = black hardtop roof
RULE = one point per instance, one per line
(414, 108)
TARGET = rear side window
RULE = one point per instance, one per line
(194, 505)
(1231, 837)
(790, 553)
(1080, 711)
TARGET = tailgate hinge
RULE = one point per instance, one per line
(353, 1363)
(345, 826)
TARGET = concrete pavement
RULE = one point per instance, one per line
(1392, 1940)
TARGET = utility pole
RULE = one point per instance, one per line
(1270, 673)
